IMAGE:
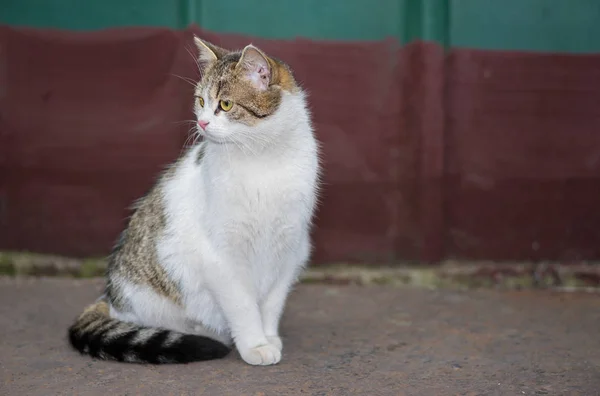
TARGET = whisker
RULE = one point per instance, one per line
(186, 79)
(237, 145)
(185, 122)
(193, 135)
(195, 58)
(187, 139)
(256, 137)
(197, 137)
(260, 141)
(244, 148)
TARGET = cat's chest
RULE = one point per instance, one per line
(260, 190)
(259, 212)
(270, 207)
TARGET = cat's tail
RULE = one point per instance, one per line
(97, 334)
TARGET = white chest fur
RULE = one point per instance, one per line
(258, 207)
(238, 216)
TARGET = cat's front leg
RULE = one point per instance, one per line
(272, 309)
(273, 306)
(238, 301)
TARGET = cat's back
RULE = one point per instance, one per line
(134, 259)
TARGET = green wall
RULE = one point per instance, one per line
(543, 25)
(93, 14)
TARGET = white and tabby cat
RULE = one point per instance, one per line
(211, 252)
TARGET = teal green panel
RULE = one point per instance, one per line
(319, 19)
(284, 19)
(93, 14)
(543, 25)
(426, 20)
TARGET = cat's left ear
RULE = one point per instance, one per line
(207, 52)
(256, 67)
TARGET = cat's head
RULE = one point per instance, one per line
(240, 93)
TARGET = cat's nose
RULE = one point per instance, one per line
(202, 124)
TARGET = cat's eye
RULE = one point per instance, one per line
(226, 105)
(200, 101)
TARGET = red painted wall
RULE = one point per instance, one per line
(523, 155)
(471, 154)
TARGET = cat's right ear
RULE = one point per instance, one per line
(207, 52)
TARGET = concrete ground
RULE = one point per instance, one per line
(338, 340)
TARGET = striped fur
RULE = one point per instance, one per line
(96, 334)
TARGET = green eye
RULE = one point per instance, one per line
(226, 105)
(200, 101)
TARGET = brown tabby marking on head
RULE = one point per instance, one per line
(226, 79)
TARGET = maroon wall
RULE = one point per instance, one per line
(523, 156)
(472, 154)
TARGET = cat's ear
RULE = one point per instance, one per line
(207, 52)
(256, 67)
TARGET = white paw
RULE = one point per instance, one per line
(275, 341)
(262, 355)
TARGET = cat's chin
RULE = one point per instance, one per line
(215, 140)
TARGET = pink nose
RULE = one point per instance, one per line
(203, 124)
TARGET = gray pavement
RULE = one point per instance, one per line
(338, 340)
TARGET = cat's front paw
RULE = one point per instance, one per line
(262, 355)
(275, 341)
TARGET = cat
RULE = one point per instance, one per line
(210, 253)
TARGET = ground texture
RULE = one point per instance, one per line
(338, 340)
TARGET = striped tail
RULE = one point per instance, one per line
(95, 333)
